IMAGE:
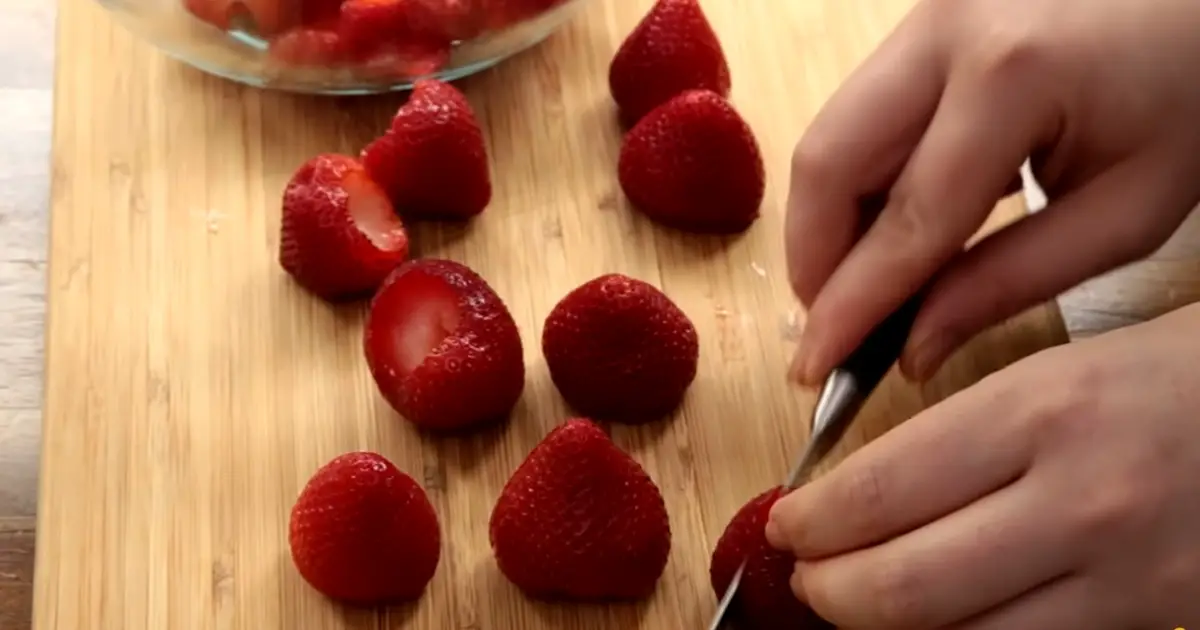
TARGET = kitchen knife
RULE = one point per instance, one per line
(842, 396)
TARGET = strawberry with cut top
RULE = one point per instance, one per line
(618, 349)
(693, 164)
(442, 346)
(672, 49)
(432, 160)
(364, 533)
(339, 236)
(764, 599)
(581, 520)
(266, 17)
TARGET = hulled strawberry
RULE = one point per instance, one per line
(339, 236)
(673, 49)
(764, 600)
(619, 349)
(442, 346)
(308, 47)
(365, 533)
(432, 160)
(581, 520)
(693, 164)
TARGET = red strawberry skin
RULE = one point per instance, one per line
(693, 164)
(764, 600)
(581, 520)
(443, 348)
(339, 236)
(364, 533)
(309, 47)
(673, 49)
(433, 160)
(618, 349)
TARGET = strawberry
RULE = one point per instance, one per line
(339, 237)
(432, 160)
(442, 346)
(672, 49)
(581, 520)
(308, 47)
(406, 60)
(370, 24)
(459, 20)
(764, 600)
(218, 13)
(317, 13)
(364, 533)
(693, 164)
(618, 349)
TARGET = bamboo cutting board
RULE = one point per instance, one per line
(192, 389)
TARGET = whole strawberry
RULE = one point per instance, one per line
(364, 533)
(672, 49)
(432, 160)
(581, 520)
(339, 236)
(764, 601)
(442, 346)
(618, 349)
(693, 164)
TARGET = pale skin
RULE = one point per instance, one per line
(1064, 491)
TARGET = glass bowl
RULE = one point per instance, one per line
(341, 46)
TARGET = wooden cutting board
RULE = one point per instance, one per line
(192, 388)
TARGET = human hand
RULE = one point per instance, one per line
(1061, 492)
(938, 122)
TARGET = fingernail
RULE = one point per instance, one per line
(923, 358)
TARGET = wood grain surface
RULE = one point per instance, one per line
(192, 388)
(152, 517)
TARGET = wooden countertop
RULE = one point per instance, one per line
(1169, 279)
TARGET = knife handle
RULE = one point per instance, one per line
(870, 362)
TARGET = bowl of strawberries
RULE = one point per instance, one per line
(341, 46)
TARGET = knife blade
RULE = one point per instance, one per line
(842, 396)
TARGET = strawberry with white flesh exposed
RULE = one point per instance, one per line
(339, 236)
(443, 348)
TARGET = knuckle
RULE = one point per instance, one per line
(910, 221)
(898, 596)
(1062, 415)
(812, 160)
(1008, 54)
(865, 501)
(1106, 515)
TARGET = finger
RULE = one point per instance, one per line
(984, 128)
(949, 570)
(855, 148)
(1120, 216)
(939, 461)
(1068, 602)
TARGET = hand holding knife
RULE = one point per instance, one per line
(843, 394)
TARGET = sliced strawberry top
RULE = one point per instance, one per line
(442, 346)
(339, 236)
(423, 320)
(372, 213)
